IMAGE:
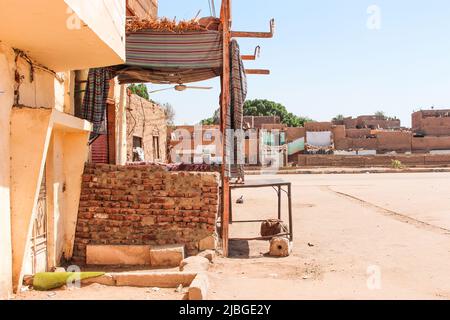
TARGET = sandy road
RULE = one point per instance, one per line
(388, 230)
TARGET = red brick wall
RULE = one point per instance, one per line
(145, 205)
(371, 161)
(318, 126)
(435, 126)
(338, 132)
(431, 122)
(294, 133)
(256, 122)
(400, 141)
(429, 143)
(357, 133)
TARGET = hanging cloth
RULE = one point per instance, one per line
(95, 98)
(235, 117)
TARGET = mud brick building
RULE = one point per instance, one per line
(369, 122)
(431, 122)
(194, 144)
(257, 122)
(146, 130)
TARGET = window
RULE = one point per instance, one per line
(156, 148)
(138, 152)
(137, 142)
(208, 136)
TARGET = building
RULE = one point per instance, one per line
(194, 144)
(146, 131)
(43, 145)
(256, 122)
(431, 131)
(431, 123)
(369, 122)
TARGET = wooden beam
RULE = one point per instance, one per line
(257, 71)
(254, 56)
(111, 130)
(248, 34)
(225, 17)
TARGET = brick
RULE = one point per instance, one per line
(136, 205)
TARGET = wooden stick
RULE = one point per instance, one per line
(252, 57)
(257, 71)
(248, 34)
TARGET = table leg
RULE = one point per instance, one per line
(291, 231)
(279, 202)
(231, 207)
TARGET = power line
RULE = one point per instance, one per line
(212, 8)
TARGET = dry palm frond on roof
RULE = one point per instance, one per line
(167, 25)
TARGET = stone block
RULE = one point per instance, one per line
(208, 254)
(198, 290)
(280, 247)
(166, 256)
(106, 280)
(154, 279)
(273, 227)
(208, 243)
(117, 255)
(194, 264)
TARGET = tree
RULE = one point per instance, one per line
(214, 120)
(380, 114)
(339, 117)
(259, 107)
(140, 90)
(169, 112)
(264, 108)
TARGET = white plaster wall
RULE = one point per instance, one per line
(49, 92)
(45, 91)
(55, 170)
(120, 98)
(6, 102)
(106, 18)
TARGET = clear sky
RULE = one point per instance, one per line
(332, 57)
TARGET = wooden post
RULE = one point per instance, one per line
(225, 17)
(111, 123)
(111, 131)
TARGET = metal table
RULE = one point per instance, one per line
(279, 186)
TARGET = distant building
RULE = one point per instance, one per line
(369, 122)
(189, 144)
(146, 131)
(431, 122)
(256, 122)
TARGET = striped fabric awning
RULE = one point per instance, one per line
(201, 49)
(167, 57)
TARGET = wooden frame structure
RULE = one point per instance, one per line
(225, 98)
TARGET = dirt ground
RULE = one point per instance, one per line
(101, 292)
(362, 236)
(356, 236)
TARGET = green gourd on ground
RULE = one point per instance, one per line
(44, 281)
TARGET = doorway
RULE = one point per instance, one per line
(39, 254)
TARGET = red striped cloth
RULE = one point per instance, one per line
(193, 50)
